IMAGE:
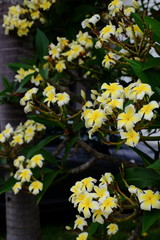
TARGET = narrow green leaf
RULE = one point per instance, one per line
(149, 218)
(154, 25)
(24, 81)
(155, 166)
(142, 177)
(78, 126)
(46, 122)
(47, 181)
(17, 65)
(6, 83)
(69, 145)
(152, 62)
(40, 145)
(92, 229)
(146, 158)
(42, 43)
(48, 156)
(8, 185)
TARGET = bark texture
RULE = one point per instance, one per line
(22, 217)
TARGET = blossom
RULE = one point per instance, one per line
(51, 98)
(62, 98)
(24, 175)
(147, 110)
(35, 187)
(101, 192)
(88, 204)
(88, 183)
(134, 31)
(148, 200)
(116, 103)
(60, 66)
(2, 138)
(82, 236)
(93, 20)
(17, 139)
(37, 160)
(8, 130)
(128, 118)
(17, 187)
(109, 60)
(98, 215)
(107, 31)
(131, 136)
(95, 118)
(113, 90)
(54, 51)
(80, 222)
(18, 161)
(108, 204)
(134, 190)
(112, 228)
(107, 178)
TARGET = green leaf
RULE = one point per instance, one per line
(47, 181)
(6, 83)
(24, 81)
(8, 185)
(16, 66)
(42, 44)
(155, 166)
(69, 145)
(142, 177)
(149, 218)
(92, 229)
(40, 145)
(78, 126)
(46, 122)
(146, 158)
(154, 25)
(48, 156)
(152, 62)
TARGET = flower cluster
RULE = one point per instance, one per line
(24, 174)
(121, 27)
(66, 52)
(96, 202)
(23, 17)
(24, 133)
(105, 203)
(36, 77)
(127, 109)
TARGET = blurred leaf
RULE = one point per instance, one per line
(7, 84)
(68, 147)
(24, 81)
(146, 158)
(153, 25)
(48, 156)
(149, 218)
(8, 185)
(40, 145)
(46, 122)
(92, 229)
(47, 181)
(142, 177)
(155, 166)
(16, 66)
(78, 126)
(152, 62)
(42, 44)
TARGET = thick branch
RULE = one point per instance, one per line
(82, 167)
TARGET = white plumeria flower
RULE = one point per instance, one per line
(35, 187)
(148, 200)
(93, 20)
(112, 228)
(147, 110)
(62, 98)
(8, 130)
(80, 222)
(17, 187)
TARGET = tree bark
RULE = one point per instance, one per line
(22, 217)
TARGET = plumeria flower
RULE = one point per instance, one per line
(112, 228)
(54, 51)
(128, 11)
(93, 20)
(148, 200)
(36, 160)
(107, 31)
(82, 236)
(116, 103)
(109, 60)
(147, 110)
(108, 205)
(87, 205)
(48, 89)
(95, 118)
(113, 90)
(139, 91)
(2, 138)
(88, 183)
(132, 137)
(107, 178)
(62, 98)
(134, 190)
(51, 98)
(35, 187)
(129, 118)
(80, 222)
(17, 187)
(8, 130)
(101, 192)
(24, 175)
(17, 139)
(18, 162)
(60, 66)
(98, 216)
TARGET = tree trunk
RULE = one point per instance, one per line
(22, 217)
(22, 213)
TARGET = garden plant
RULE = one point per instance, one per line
(97, 81)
